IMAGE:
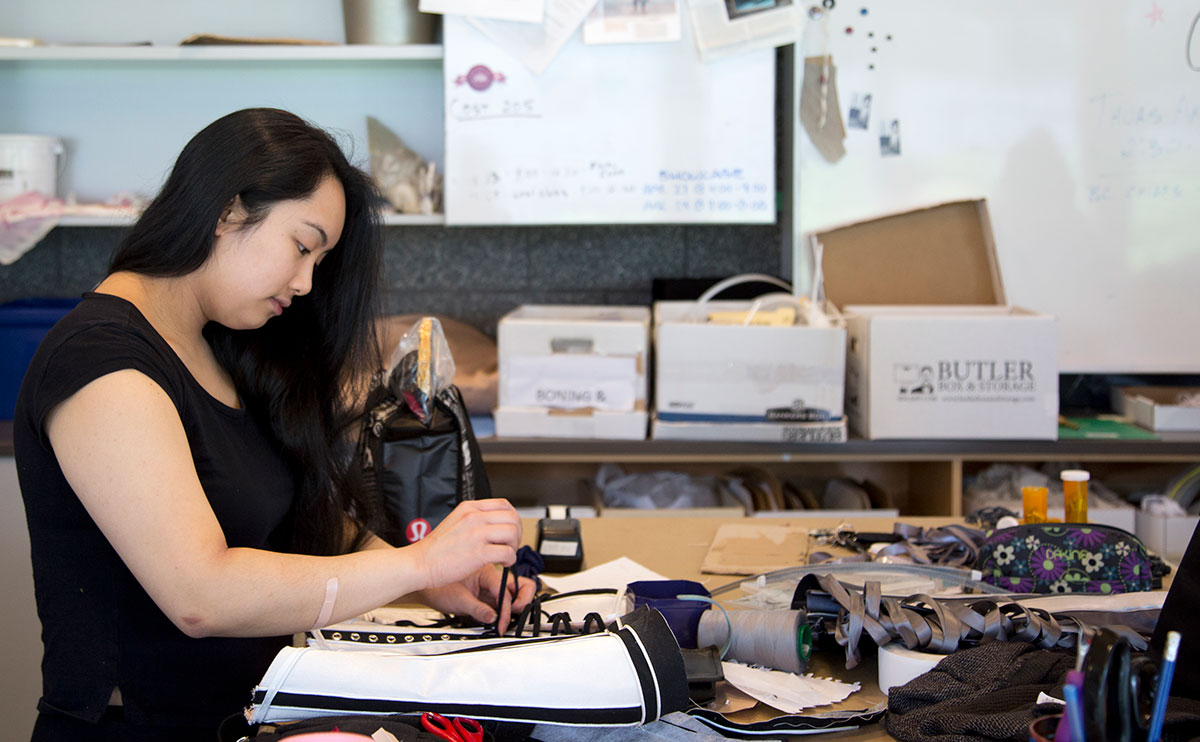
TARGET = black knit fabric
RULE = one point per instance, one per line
(986, 692)
(990, 692)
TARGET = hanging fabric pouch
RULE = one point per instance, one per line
(416, 446)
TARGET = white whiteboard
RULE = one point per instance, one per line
(1078, 120)
(616, 133)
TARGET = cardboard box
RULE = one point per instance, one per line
(831, 431)
(1165, 535)
(942, 372)
(744, 373)
(574, 357)
(933, 351)
(538, 422)
(1160, 408)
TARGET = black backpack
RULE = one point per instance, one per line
(416, 472)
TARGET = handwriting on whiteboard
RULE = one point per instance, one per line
(515, 107)
(721, 190)
(1142, 147)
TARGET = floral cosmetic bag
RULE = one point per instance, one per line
(1064, 558)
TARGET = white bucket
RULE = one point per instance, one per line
(29, 162)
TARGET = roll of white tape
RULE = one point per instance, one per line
(898, 664)
(1007, 522)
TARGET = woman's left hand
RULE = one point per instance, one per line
(476, 596)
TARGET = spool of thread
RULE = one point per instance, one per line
(775, 639)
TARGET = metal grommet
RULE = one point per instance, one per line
(391, 639)
(408, 637)
(828, 4)
(372, 638)
(445, 637)
(427, 638)
(815, 12)
(354, 636)
(337, 636)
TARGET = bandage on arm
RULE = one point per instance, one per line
(331, 588)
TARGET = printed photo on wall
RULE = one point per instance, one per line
(860, 111)
(632, 21)
(739, 8)
(726, 27)
(889, 138)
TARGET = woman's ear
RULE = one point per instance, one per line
(232, 217)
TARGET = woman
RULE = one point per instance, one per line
(180, 442)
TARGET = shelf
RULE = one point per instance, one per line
(391, 219)
(559, 450)
(221, 53)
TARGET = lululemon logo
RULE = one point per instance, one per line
(418, 529)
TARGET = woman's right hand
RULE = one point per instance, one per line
(475, 534)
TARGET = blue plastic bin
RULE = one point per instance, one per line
(23, 324)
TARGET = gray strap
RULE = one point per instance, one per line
(941, 626)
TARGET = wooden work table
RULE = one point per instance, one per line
(674, 546)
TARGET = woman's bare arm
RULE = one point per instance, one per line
(123, 449)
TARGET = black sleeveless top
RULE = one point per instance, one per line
(100, 629)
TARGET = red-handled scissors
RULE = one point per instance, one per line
(461, 729)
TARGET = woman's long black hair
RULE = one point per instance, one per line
(298, 373)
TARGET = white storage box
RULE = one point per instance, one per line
(744, 373)
(534, 422)
(1160, 408)
(1165, 535)
(830, 431)
(951, 372)
(933, 351)
(574, 357)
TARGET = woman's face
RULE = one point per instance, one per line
(254, 273)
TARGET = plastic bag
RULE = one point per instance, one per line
(421, 367)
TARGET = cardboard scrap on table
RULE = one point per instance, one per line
(751, 548)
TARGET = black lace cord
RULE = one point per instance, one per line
(560, 623)
(593, 624)
(500, 600)
(532, 617)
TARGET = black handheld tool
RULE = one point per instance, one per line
(559, 540)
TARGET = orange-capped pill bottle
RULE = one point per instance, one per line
(1075, 495)
(1033, 499)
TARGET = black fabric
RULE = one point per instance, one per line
(990, 692)
(665, 667)
(986, 692)
(112, 726)
(1179, 613)
(100, 629)
(417, 472)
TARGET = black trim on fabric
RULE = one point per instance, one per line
(394, 638)
(783, 724)
(576, 593)
(645, 674)
(664, 655)
(338, 704)
(517, 643)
